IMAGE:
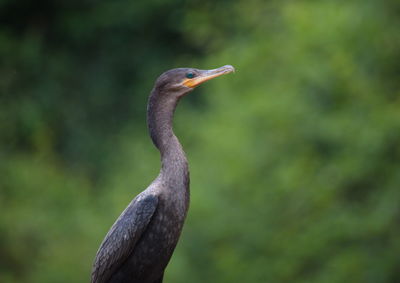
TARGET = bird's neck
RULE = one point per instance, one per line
(160, 112)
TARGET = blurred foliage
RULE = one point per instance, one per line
(295, 159)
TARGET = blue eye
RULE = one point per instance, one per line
(190, 75)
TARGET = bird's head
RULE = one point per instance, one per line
(178, 82)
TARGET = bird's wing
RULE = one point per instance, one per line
(123, 236)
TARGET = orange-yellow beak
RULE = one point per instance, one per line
(206, 75)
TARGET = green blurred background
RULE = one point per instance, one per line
(295, 158)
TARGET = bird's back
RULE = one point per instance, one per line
(142, 258)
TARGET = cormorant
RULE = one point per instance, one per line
(140, 244)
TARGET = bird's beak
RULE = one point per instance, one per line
(205, 75)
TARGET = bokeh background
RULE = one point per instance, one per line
(295, 158)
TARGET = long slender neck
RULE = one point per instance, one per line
(160, 112)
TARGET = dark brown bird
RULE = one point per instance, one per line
(140, 244)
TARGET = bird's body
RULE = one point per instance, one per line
(140, 244)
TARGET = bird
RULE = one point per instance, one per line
(140, 243)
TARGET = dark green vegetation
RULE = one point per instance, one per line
(295, 159)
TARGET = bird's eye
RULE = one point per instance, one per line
(190, 75)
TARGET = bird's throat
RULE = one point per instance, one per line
(160, 112)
